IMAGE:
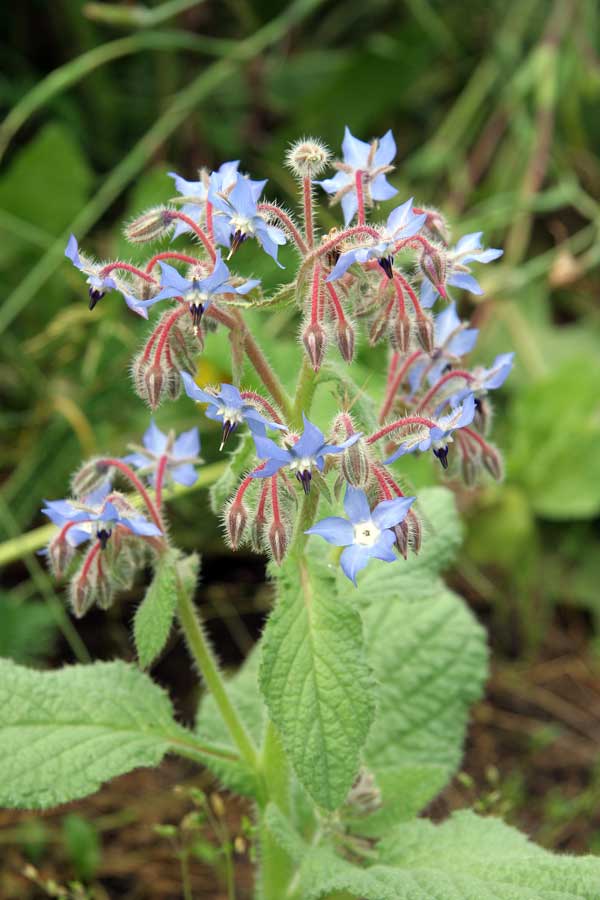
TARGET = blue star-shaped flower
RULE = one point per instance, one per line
(181, 453)
(485, 380)
(438, 435)
(402, 223)
(96, 514)
(366, 534)
(373, 160)
(98, 284)
(452, 341)
(308, 453)
(195, 193)
(467, 250)
(198, 292)
(229, 407)
(240, 218)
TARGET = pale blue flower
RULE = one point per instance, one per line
(181, 455)
(452, 341)
(458, 274)
(402, 223)
(229, 407)
(438, 435)
(240, 218)
(308, 453)
(366, 534)
(373, 160)
(484, 380)
(98, 284)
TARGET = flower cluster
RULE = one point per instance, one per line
(394, 274)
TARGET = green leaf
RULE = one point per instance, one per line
(27, 630)
(555, 433)
(466, 858)
(316, 681)
(154, 616)
(243, 691)
(63, 733)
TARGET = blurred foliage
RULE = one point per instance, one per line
(494, 109)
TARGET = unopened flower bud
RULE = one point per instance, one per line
(364, 796)
(59, 555)
(425, 332)
(155, 381)
(236, 518)
(355, 464)
(470, 469)
(90, 476)
(307, 157)
(344, 336)
(483, 414)
(492, 461)
(378, 326)
(401, 532)
(415, 531)
(436, 225)
(400, 332)
(153, 224)
(434, 265)
(90, 585)
(314, 339)
(278, 540)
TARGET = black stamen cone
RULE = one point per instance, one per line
(228, 428)
(197, 311)
(442, 454)
(238, 238)
(304, 478)
(103, 536)
(387, 264)
(95, 296)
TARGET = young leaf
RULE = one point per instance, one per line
(316, 680)
(63, 733)
(154, 615)
(466, 858)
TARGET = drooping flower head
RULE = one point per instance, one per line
(402, 223)
(98, 284)
(229, 407)
(240, 218)
(195, 193)
(453, 339)
(180, 455)
(366, 534)
(467, 250)
(197, 292)
(438, 434)
(306, 454)
(373, 161)
(97, 515)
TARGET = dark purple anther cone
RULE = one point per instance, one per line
(387, 264)
(197, 311)
(442, 454)
(95, 296)
(238, 238)
(228, 428)
(103, 536)
(304, 478)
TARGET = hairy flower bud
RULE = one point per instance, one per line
(344, 336)
(90, 585)
(492, 460)
(415, 531)
(379, 326)
(155, 381)
(402, 538)
(90, 476)
(236, 519)
(314, 338)
(307, 157)
(278, 540)
(483, 414)
(355, 464)
(153, 224)
(400, 331)
(59, 554)
(425, 332)
(469, 467)
(434, 265)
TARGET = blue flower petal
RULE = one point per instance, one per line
(356, 505)
(334, 530)
(391, 512)
(353, 559)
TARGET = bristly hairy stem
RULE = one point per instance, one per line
(199, 232)
(276, 213)
(127, 267)
(307, 196)
(136, 483)
(257, 398)
(400, 423)
(170, 254)
(360, 198)
(161, 470)
(203, 656)
(456, 373)
(395, 383)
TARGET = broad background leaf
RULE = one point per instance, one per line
(154, 616)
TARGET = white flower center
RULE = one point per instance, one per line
(442, 442)
(305, 463)
(242, 224)
(230, 415)
(196, 297)
(366, 533)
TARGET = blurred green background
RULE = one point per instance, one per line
(494, 107)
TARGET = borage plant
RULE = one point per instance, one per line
(349, 716)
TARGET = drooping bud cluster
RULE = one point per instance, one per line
(388, 280)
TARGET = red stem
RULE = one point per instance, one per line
(395, 384)
(164, 335)
(169, 254)
(316, 294)
(128, 472)
(246, 482)
(335, 302)
(285, 220)
(209, 221)
(456, 373)
(399, 296)
(87, 564)
(308, 210)
(275, 499)
(257, 398)
(160, 477)
(360, 197)
(381, 479)
(400, 423)
(476, 437)
(128, 268)
(264, 493)
(402, 282)
(176, 214)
